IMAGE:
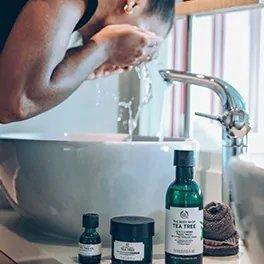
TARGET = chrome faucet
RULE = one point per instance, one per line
(234, 119)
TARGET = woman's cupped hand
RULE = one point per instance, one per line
(127, 46)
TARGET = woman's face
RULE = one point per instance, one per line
(154, 24)
(141, 19)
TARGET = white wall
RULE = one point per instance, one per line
(87, 110)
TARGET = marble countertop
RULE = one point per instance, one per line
(38, 249)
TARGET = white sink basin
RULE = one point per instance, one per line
(52, 180)
(247, 173)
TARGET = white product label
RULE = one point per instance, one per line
(90, 250)
(184, 231)
(129, 251)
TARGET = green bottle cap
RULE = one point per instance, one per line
(184, 158)
(90, 220)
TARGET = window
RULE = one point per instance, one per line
(228, 46)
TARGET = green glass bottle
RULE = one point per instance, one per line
(184, 214)
(90, 241)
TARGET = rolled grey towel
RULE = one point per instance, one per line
(220, 235)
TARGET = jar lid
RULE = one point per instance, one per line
(127, 227)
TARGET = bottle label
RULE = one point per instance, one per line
(90, 250)
(184, 231)
(129, 251)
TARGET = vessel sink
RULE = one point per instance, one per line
(52, 180)
(247, 173)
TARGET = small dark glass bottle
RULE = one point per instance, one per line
(184, 214)
(90, 246)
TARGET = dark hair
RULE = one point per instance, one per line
(165, 8)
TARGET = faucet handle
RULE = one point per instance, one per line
(235, 121)
(208, 116)
(240, 133)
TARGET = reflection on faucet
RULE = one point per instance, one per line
(234, 119)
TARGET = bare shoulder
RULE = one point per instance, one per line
(57, 6)
(43, 26)
(43, 15)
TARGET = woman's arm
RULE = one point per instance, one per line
(36, 70)
(34, 61)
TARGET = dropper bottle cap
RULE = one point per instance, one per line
(90, 220)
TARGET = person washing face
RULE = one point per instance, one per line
(38, 72)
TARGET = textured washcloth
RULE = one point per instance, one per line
(220, 235)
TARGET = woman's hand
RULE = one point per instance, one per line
(127, 45)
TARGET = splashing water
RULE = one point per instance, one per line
(143, 74)
(131, 122)
(127, 106)
(166, 96)
(98, 94)
(133, 118)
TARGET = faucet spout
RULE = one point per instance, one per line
(229, 97)
(234, 119)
